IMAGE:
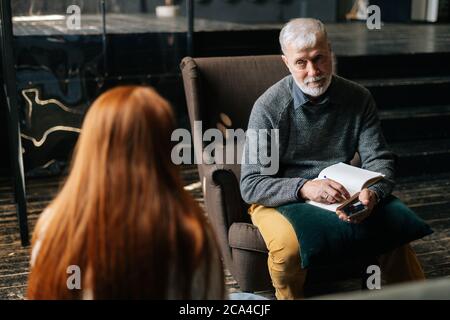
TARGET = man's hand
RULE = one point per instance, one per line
(324, 191)
(368, 198)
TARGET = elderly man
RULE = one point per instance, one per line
(322, 119)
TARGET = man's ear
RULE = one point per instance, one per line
(285, 60)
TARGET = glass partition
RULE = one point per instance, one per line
(59, 63)
(69, 51)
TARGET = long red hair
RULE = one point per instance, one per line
(122, 216)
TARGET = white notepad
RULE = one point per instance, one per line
(353, 179)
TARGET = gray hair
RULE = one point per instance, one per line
(302, 33)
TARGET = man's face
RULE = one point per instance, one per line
(310, 67)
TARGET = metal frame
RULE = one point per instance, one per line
(15, 145)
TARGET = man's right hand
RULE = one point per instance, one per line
(324, 191)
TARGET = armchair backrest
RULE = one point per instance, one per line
(220, 92)
(224, 89)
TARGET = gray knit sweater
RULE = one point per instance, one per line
(313, 137)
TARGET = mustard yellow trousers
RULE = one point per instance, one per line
(288, 278)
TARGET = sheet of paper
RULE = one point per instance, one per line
(331, 207)
(352, 178)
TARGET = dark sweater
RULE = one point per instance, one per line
(313, 137)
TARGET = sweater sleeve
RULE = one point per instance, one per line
(259, 181)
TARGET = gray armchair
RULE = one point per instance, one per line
(220, 92)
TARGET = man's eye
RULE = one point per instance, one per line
(301, 63)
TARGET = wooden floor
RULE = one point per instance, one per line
(427, 195)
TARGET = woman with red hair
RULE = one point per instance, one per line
(123, 216)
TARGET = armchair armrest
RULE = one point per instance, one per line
(223, 201)
(246, 236)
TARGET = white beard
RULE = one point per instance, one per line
(317, 91)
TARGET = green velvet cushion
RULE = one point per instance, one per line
(324, 239)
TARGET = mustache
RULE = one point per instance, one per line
(314, 79)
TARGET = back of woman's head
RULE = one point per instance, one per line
(122, 216)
